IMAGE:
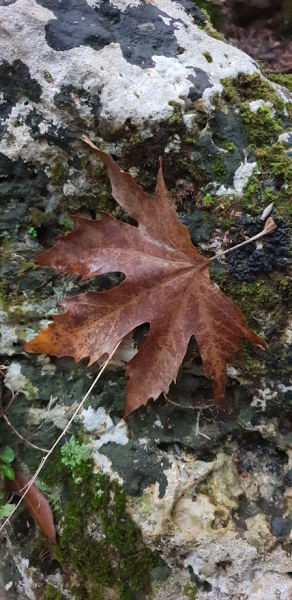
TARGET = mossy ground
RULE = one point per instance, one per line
(281, 79)
(99, 546)
(52, 594)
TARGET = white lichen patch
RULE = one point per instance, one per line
(58, 414)
(17, 382)
(47, 367)
(173, 145)
(124, 353)
(26, 584)
(245, 572)
(8, 337)
(256, 104)
(194, 517)
(287, 337)
(263, 395)
(99, 422)
(242, 175)
(285, 137)
(240, 179)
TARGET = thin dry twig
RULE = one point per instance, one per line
(51, 403)
(45, 458)
(4, 416)
(198, 432)
(5, 410)
(200, 409)
(177, 404)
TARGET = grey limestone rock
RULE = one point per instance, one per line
(185, 500)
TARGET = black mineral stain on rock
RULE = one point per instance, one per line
(66, 99)
(76, 24)
(280, 528)
(21, 186)
(193, 10)
(15, 84)
(142, 33)
(200, 82)
(259, 455)
(140, 30)
(199, 228)
(139, 466)
(275, 254)
(288, 478)
(54, 135)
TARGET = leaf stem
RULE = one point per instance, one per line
(270, 226)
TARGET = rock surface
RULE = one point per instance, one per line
(186, 500)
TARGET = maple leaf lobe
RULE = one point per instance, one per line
(37, 505)
(167, 285)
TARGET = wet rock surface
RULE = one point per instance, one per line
(184, 500)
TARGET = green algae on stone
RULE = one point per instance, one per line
(190, 590)
(209, 26)
(58, 174)
(51, 593)
(30, 391)
(39, 217)
(4, 295)
(77, 457)
(208, 56)
(25, 266)
(66, 221)
(219, 168)
(251, 297)
(176, 116)
(229, 146)
(260, 127)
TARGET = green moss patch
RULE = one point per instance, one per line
(99, 547)
(281, 79)
(247, 88)
(208, 56)
(260, 127)
(58, 174)
(176, 116)
(52, 594)
(272, 182)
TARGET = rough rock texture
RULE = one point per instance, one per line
(184, 500)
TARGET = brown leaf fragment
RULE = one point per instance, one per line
(167, 285)
(37, 505)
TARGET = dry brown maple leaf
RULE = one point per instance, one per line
(167, 285)
(36, 504)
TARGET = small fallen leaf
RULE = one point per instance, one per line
(267, 211)
(37, 505)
